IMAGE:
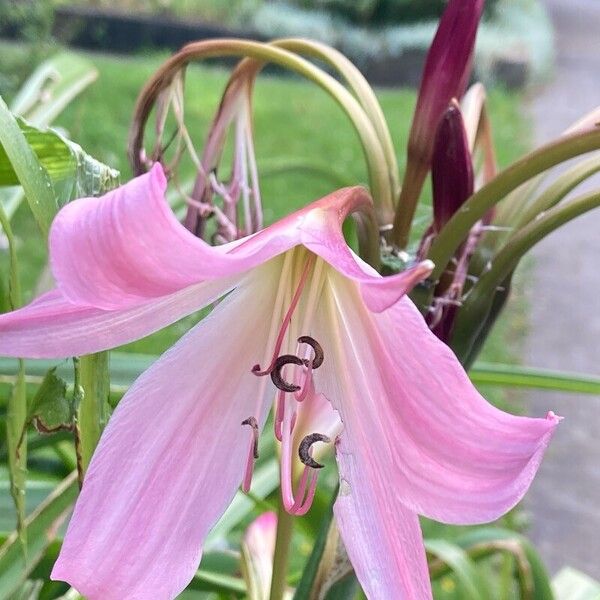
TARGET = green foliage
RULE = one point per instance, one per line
(51, 409)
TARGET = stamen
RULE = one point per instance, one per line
(305, 498)
(277, 377)
(252, 453)
(317, 349)
(252, 422)
(308, 386)
(279, 414)
(286, 320)
(305, 446)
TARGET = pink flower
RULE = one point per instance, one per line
(417, 438)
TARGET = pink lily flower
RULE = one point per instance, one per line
(417, 437)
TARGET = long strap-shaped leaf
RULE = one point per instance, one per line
(528, 377)
(461, 565)
(31, 175)
(42, 528)
(457, 229)
(479, 300)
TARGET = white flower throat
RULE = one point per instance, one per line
(294, 356)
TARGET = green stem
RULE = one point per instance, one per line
(361, 88)
(94, 408)
(285, 527)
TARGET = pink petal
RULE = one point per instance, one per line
(171, 458)
(127, 247)
(258, 549)
(322, 234)
(382, 537)
(52, 327)
(412, 416)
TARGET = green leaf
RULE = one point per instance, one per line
(72, 172)
(461, 565)
(480, 542)
(457, 229)
(42, 98)
(570, 584)
(50, 149)
(30, 173)
(210, 581)
(528, 377)
(51, 409)
(42, 527)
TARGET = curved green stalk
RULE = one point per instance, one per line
(524, 206)
(457, 229)
(361, 88)
(478, 302)
(285, 528)
(557, 190)
(379, 180)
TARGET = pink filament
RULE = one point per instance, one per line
(299, 502)
(279, 412)
(287, 319)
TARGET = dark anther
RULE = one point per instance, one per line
(317, 349)
(254, 424)
(276, 377)
(305, 446)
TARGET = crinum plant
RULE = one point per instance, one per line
(304, 324)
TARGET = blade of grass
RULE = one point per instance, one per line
(528, 377)
(42, 527)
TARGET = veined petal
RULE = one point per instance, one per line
(411, 412)
(382, 537)
(322, 234)
(127, 247)
(52, 327)
(171, 457)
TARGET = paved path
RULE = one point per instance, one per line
(565, 317)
